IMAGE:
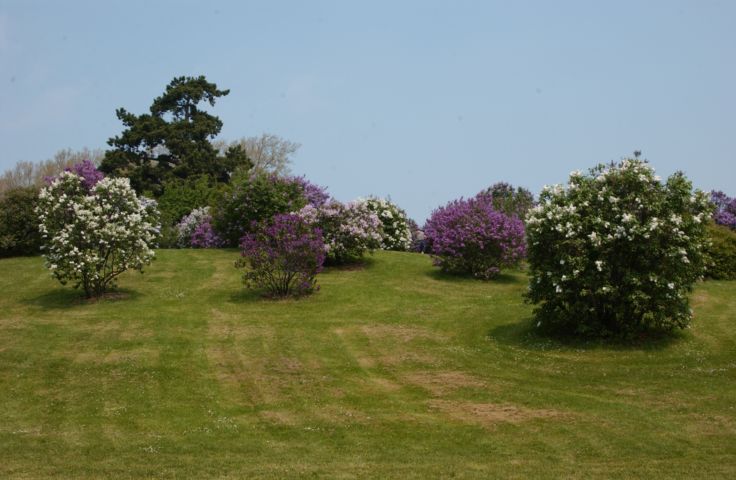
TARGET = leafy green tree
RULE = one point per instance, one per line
(173, 140)
(19, 233)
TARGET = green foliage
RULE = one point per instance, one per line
(616, 252)
(251, 199)
(172, 140)
(509, 200)
(721, 253)
(182, 195)
(19, 233)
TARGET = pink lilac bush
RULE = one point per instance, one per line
(349, 230)
(196, 230)
(283, 256)
(471, 236)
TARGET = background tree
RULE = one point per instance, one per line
(19, 233)
(173, 140)
(33, 174)
(267, 152)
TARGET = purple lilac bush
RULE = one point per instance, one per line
(725, 213)
(283, 256)
(88, 171)
(313, 194)
(471, 236)
(254, 199)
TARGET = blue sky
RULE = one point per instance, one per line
(420, 101)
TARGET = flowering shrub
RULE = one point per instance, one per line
(508, 200)
(471, 236)
(725, 213)
(195, 230)
(254, 199)
(88, 171)
(313, 194)
(395, 231)
(93, 232)
(617, 251)
(349, 230)
(283, 256)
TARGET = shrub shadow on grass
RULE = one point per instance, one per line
(62, 298)
(246, 295)
(363, 264)
(502, 279)
(525, 335)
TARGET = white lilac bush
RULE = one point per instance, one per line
(93, 232)
(617, 251)
(349, 230)
(396, 234)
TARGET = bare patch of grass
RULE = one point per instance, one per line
(443, 383)
(491, 414)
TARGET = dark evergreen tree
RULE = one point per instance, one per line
(173, 140)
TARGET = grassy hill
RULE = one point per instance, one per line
(391, 370)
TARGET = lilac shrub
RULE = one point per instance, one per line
(313, 194)
(195, 230)
(617, 251)
(396, 234)
(725, 213)
(471, 236)
(349, 230)
(94, 234)
(283, 256)
(253, 199)
(88, 172)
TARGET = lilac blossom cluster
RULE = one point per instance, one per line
(195, 230)
(471, 236)
(349, 230)
(283, 256)
(313, 194)
(396, 234)
(88, 172)
(725, 213)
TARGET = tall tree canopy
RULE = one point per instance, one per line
(173, 140)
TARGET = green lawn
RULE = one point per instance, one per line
(391, 370)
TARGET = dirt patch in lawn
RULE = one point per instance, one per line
(279, 417)
(401, 333)
(443, 383)
(135, 355)
(491, 414)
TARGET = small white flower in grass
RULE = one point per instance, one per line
(599, 265)
(671, 286)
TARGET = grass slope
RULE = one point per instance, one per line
(391, 370)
